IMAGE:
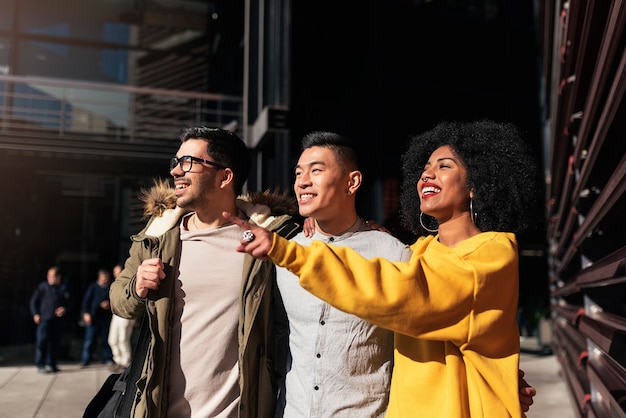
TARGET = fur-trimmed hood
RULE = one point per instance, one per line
(261, 207)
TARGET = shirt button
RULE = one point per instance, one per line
(318, 355)
(316, 387)
(331, 239)
(323, 322)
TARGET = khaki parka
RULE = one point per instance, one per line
(258, 334)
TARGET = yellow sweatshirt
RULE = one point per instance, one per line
(453, 311)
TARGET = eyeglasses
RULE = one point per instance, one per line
(186, 163)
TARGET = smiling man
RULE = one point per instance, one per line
(210, 309)
(338, 365)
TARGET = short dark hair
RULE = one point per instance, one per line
(104, 271)
(226, 148)
(343, 147)
(500, 171)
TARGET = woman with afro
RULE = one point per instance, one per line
(468, 189)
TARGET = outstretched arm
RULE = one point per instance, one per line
(261, 243)
(414, 298)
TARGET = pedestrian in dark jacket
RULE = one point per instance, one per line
(97, 317)
(48, 306)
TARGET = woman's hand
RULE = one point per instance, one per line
(526, 392)
(255, 240)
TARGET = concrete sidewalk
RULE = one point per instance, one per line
(24, 393)
(543, 372)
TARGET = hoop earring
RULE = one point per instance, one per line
(473, 215)
(432, 231)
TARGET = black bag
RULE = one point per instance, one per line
(106, 398)
(115, 397)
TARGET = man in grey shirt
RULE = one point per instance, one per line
(338, 364)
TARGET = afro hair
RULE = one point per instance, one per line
(500, 171)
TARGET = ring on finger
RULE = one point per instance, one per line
(248, 236)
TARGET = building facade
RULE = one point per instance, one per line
(584, 112)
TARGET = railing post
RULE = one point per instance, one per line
(62, 121)
(133, 117)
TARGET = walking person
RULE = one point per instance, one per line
(211, 310)
(96, 311)
(48, 306)
(120, 333)
(338, 365)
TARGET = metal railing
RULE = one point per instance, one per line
(41, 107)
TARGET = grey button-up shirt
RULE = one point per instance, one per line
(338, 365)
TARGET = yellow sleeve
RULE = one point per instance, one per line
(432, 296)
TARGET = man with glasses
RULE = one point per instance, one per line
(210, 309)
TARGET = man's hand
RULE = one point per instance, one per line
(37, 319)
(261, 239)
(87, 318)
(149, 276)
(308, 227)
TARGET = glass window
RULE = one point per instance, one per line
(58, 60)
(111, 20)
(89, 20)
(104, 40)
